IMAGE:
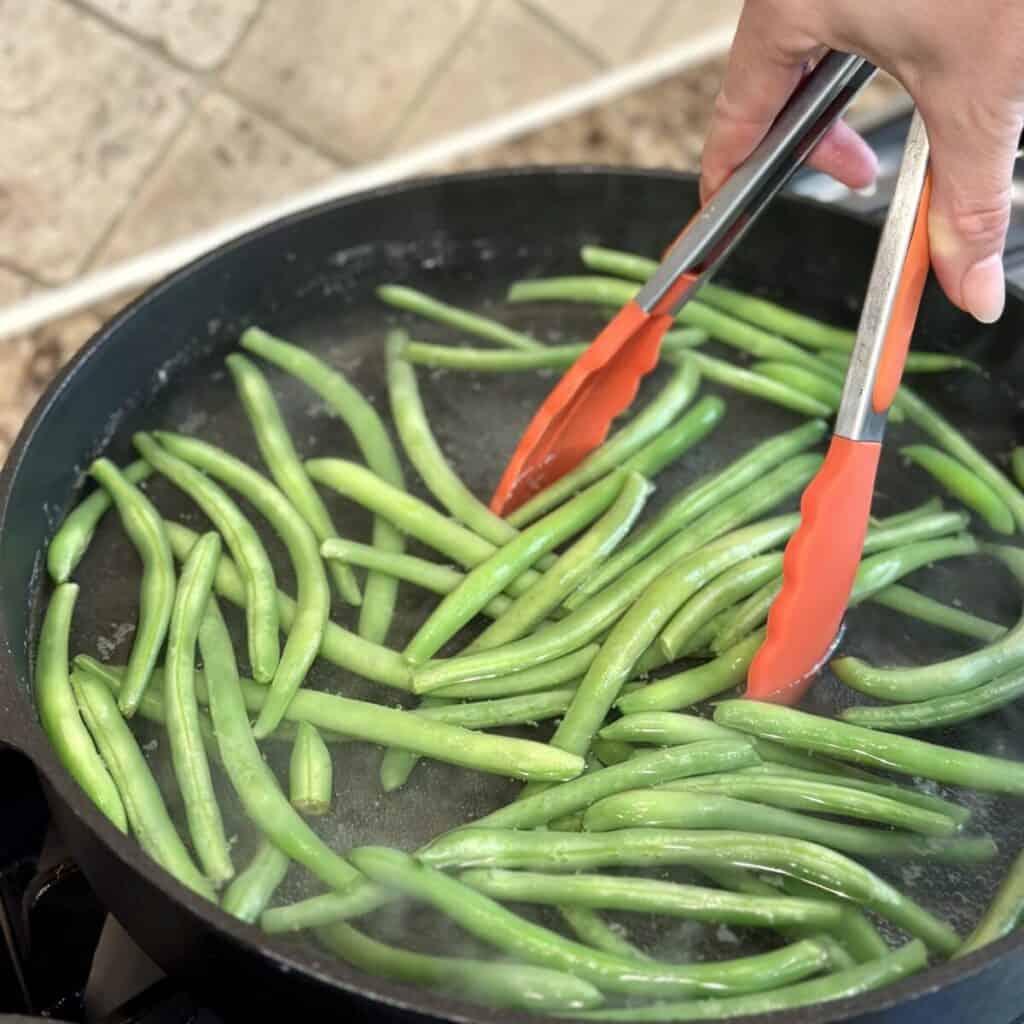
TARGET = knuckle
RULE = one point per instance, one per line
(982, 221)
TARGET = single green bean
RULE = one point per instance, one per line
(591, 619)
(145, 528)
(722, 593)
(645, 769)
(413, 301)
(254, 886)
(700, 809)
(72, 539)
(261, 612)
(371, 436)
(310, 772)
(940, 711)
(963, 484)
(926, 508)
(566, 669)
(694, 685)
(488, 920)
(59, 712)
(647, 847)
(502, 985)
(846, 742)
(147, 815)
(947, 436)
(927, 609)
(313, 597)
(188, 754)
(831, 797)
(338, 645)
(943, 678)
(438, 579)
(646, 895)
(397, 765)
(251, 777)
(592, 930)
(425, 453)
(611, 752)
(650, 421)
(533, 606)
(799, 378)
(496, 573)
(704, 496)
(281, 459)
(1004, 913)
(1017, 465)
(843, 984)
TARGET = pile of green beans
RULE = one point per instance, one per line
(594, 615)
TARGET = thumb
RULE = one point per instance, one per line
(972, 176)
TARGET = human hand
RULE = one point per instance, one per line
(963, 65)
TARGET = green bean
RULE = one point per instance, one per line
(694, 685)
(425, 453)
(846, 742)
(652, 419)
(145, 529)
(704, 498)
(144, 806)
(754, 384)
(940, 711)
(556, 357)
(504, 985)
(831, 797)
(279, 455)
(416, 302)
(548, 674)
(646, 895)
(313, 598)
(722, 593)
(1004, 913)
(592, 931)
(799, 378)
(72, 539)
(59, 712)
(488, 920)
(397, 765)
(947, 436)
(943, 678)
(327, 908)
(926, 508)
(700, 809)
(372, 438)
(1016, 464)
(963, 484)
(438, 579)
(251, 777)
(647, 847)
(645, 769)
(843, 984)
(310, 772)
(338, 645)
(611, 752)
(188, 755)
(246, 548)
(927, 609)
(253, 887)
(601, 611)
(493, 575)
(532, 607)
(873, 574)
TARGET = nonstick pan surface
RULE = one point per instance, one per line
(310, 279)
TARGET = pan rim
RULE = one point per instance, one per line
(336, 974)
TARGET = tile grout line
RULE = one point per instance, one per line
(570, 38)
(156, 263)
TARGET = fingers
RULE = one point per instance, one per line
(764, 67)
(845, 156)
(972, 157)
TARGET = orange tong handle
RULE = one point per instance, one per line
(905, 306)
(577, 414)
(818, 572)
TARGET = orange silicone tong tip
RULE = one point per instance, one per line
(818, 572)
(575, 418)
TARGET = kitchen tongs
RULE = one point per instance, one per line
(575, 417)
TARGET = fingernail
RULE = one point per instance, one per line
(984, 289)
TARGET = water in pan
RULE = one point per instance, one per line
(477, 420)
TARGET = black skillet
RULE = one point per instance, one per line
(311, 278)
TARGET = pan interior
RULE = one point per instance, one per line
(330, 308)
